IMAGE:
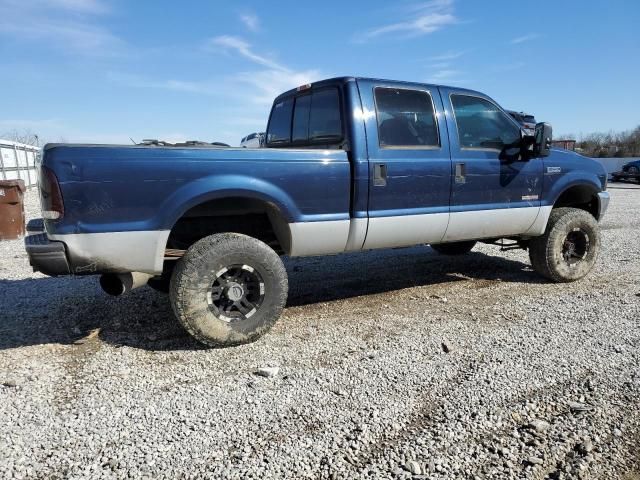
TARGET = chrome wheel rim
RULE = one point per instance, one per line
(236, 293)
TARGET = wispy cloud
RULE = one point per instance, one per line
(445, 67)
(445, 75)
(243, 48)
(257, 86)
(81, 6)
(420, 19)
(69, 6)
(91, 40)
(265, 83)
(245, 95)
(508, 67)
(63, 24)
(251, 21)
(525, 38)
(211, 87)
(447, 56)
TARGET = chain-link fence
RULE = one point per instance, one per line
(19, 161)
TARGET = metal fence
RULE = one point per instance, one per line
(614, 164)
(19, 161)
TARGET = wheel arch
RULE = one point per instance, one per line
(232, 205)
(580, 195)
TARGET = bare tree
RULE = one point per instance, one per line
(25, 136)
(611, 144)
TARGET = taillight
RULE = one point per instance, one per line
(50, 195)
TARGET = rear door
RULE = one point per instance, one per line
(494, 192)
(409, 164)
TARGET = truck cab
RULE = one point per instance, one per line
(430, 164)
(349, 164)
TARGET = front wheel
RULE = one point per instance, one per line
(228, 289)
(569, 247)
(454, 248)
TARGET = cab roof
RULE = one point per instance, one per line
(343, 80)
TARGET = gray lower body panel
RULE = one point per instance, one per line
(143, 251)
(117, 252)
(322, 238)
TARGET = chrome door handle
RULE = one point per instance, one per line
(379, 175)
(460, 172)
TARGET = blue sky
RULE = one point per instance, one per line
(104, 71)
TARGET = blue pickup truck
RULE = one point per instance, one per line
(349, 164)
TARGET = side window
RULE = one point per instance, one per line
(481, 124)
(325, 122)
(300, 131)
(406, 118)
(280, 122)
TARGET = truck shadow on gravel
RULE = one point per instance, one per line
(74, 310)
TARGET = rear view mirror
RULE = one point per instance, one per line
(543, 137)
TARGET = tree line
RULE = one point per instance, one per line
(611, 144)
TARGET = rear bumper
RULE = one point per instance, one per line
(46, 256)
(603, 204)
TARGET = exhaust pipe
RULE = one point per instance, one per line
(117, 284)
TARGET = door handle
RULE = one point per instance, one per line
(460, 172)
(379, 175)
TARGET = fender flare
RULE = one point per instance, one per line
(576, 181)
(225, 186)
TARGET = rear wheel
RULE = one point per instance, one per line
(569, 248)
(454, 248)
(228, 289)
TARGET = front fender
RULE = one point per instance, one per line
(563, 182)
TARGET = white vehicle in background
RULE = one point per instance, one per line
(253, 140)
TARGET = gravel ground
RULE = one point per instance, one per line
(392, 364)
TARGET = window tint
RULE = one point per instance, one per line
(481, 124)
(325, 119)
(405, 118)
(310, 118)
(280, 123)
(301, 119)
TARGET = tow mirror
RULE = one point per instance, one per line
(543, 137)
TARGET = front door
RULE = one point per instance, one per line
(494, 192)
(409, 164)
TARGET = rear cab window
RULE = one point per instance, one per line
(279, 132)
(308, 119)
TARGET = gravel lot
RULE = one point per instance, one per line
(392, 364)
